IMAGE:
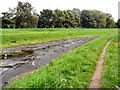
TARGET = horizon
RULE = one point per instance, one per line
(102, 5)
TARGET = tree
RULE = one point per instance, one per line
(77, 14)
(8, 19)
(66, 22)
(109, 21)
(101, 21)
(25, 16)
(47, 19)
(93, 19)
(60, 18)
(72, 21)
(69, 19)
(87, 19)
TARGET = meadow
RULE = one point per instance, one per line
(73, 69)
(17, 37)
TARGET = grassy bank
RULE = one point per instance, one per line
(17, 37)
(73, 69)
(110, 73)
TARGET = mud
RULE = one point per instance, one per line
(22, 59)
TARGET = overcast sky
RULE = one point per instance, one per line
(108, 6)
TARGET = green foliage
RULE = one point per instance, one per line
(69, 19)
(77, 14)
(8, 20)
(59, 18)
(47, 19)
(101, 19)
(109, 21)
(95, 19)
(86, 19)
(24, 16)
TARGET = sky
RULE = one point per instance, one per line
(107, 6)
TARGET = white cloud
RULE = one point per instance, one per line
(109, 6)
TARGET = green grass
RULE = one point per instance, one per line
(110, 73)
(17, 37)
(72, 70)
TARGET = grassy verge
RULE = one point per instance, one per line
(17, 37)
(71, 70)
(110, 73)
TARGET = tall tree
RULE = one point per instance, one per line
(109, 21)
(87, 19)
(72, 21)
(8, 19)
(25, 16)
(47, 19)
(101, 21)
(77, 14)
(66, 22)
(93, 19)
(60, 18)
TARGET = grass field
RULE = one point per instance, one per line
(73, 69)
(110, 73)
(17, 37)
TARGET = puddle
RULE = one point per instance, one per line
(16, 54)
(22, 59)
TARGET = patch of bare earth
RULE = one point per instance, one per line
(95, 81)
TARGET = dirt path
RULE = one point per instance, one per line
(22, 59)
(95, 81)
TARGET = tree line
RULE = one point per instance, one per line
(25, 16)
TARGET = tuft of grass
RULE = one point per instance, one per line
(71, 70)
(17, 37)
(110, 73)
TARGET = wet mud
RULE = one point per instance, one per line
(22, 59)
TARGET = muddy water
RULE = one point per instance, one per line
(21, 59)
